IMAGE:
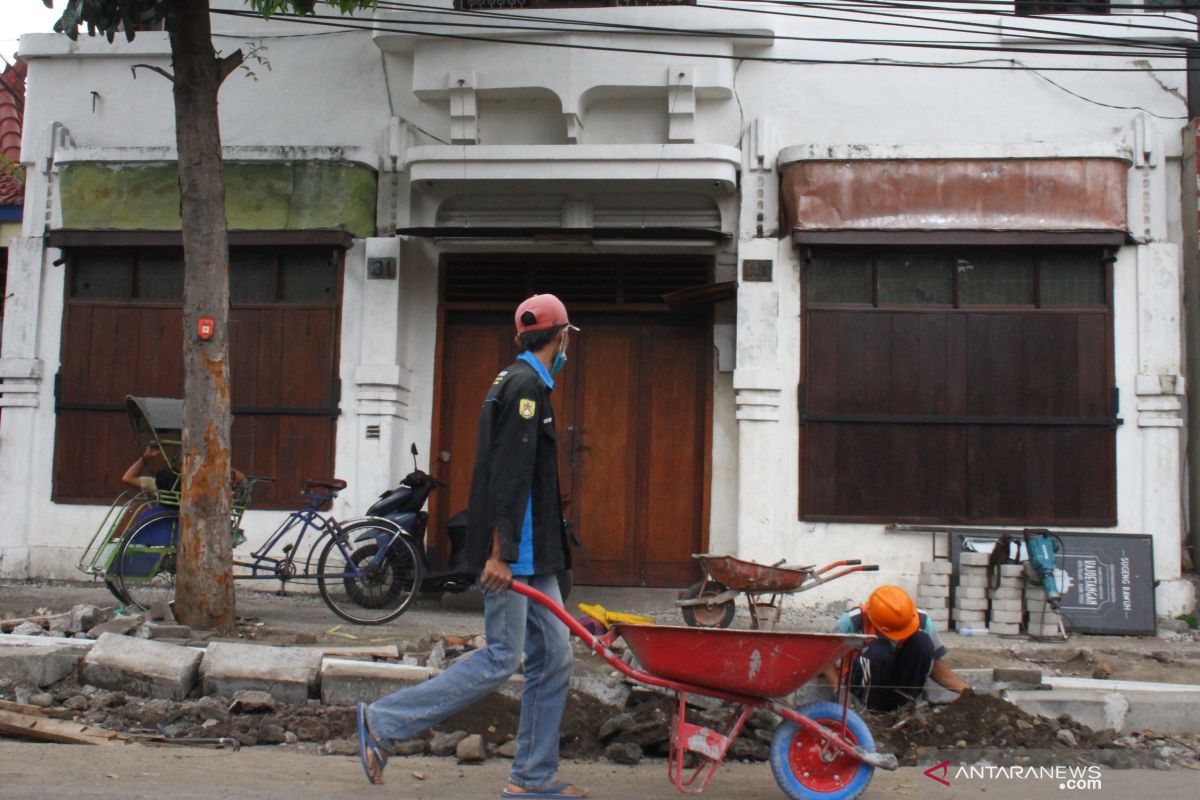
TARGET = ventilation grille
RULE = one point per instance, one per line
(373, 431)
(614, 282)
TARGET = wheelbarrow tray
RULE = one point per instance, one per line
(753, 663)
(749, 576)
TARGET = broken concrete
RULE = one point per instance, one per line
(141, 666)
(38, 660)
(345, 682)
(117, 625)
(289, 674)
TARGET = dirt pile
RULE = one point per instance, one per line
(982, 727)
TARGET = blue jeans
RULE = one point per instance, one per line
(514, 624)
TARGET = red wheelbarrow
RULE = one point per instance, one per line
(820, 751)
(710, 602)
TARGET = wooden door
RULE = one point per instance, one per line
(631, 408)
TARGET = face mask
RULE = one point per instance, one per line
(560, 358)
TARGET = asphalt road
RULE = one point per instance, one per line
(30, 771)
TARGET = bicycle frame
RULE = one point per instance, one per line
(264, 566)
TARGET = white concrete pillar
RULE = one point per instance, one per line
(1160, 394)
(373, 440)
(757, 383)
(21, 373)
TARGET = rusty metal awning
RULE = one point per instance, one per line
(957, 201)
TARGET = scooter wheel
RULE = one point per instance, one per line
(711, 616)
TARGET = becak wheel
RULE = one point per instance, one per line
(800, 758)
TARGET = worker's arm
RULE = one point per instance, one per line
(132, 475)
(944, 676)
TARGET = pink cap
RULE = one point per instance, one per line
(547, 312)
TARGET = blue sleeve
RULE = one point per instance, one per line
(843, 624)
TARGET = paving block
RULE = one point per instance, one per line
(345, 682)
(970, 617)
(141, 666)
(1004, 628)
(1013, 617)
(934, 580)
(1006, 594)
(973, 581)
(973, 559)
(937, 614)
(971, 603)
(1012, 570)
(971, 592)
(41, 662)
(936, 567)
(289, 674)
(1007, 605)
(932, 603)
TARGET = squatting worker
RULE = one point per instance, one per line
(892, 669)
(514, 532)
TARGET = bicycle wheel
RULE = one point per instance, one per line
(145, 563)
(363, 588)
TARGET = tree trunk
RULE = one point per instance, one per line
(204, 596)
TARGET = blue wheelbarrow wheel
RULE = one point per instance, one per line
(797, 762)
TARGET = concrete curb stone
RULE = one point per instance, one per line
(290, 675)
(141, 666)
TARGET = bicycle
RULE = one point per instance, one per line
(367, 572)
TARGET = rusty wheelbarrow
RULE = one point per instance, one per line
(710, 602)
(820, 751)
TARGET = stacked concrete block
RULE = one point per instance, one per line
(1005, 599)
(1041, 619)
(933, 592)
(970, 593)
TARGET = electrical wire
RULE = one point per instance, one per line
(341, 23)
(921, 44)
(973, 27)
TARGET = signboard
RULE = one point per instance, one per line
(1106, 579)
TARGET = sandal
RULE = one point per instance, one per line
(369, 751)
(559, 791)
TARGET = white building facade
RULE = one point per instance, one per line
(914, 293)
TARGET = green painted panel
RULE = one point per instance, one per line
(310, 195)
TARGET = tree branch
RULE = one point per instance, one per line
(152, 68)
(228, 64)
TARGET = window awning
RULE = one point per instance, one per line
(957, 201)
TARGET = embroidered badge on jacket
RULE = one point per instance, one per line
(527, 408)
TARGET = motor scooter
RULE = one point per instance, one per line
(404, 506)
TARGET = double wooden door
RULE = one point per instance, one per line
(632, 418)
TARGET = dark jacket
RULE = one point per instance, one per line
(516, 459)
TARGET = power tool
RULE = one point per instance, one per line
(1041, 552)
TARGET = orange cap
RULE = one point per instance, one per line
(892, 612)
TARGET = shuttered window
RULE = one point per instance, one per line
(122, 334)
(947, 384)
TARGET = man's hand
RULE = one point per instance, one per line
(496, 575)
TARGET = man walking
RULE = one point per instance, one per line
(514, 532)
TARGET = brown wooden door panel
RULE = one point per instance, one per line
(472, 355)
(630, 412)
(601, 459)
(674, 372)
